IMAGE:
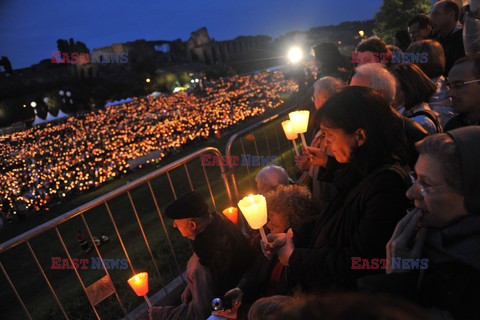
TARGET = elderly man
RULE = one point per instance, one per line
(445, 16)
(443, 230)
(464, 80)
(321, 192)
(221, 256)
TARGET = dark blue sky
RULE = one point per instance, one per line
(29, 29)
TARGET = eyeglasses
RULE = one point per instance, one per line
(423, 190)
(458, 84)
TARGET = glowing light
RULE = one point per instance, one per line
(295, 54)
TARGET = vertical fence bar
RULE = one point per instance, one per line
(266, 140)
(103, 264)
(255, 144)
(279, 148)
(171, 186)
(209, 188)
(248, 167)
(188, 176)
(15, 291)
(46, 279)
(76, 271)
(146, 242)
(119, 237)
(169, 241)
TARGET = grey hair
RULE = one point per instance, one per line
(330, 84)
(273, 176)
(380, 79)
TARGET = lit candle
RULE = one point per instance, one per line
(288, 128)
(231, 213)
(254, 209)
(290, 134)
(300, 123)
(139, 284)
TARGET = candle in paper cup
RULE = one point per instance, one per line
(289, 130)
(299, 120)
(231, 213)
(254, 209)
(139, 283)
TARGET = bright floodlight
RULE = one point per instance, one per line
(61, 92)
(33, 104)
(361, 33)
(295, 54)
(147, 80)
(68, 93)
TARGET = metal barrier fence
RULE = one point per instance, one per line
(264, 138)
(108, 294)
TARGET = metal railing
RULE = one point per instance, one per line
(257, 139)
(14, 266)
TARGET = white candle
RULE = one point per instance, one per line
(289, 130)
(254, 209)
(299, 120)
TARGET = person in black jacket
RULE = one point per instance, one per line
(444, 229)
(221, 256)
(361, 131)
(445, 21)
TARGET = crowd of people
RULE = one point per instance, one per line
(384, 222)
(43, 166)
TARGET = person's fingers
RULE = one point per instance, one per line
(409, 230)
(402, 224)
(419, 242)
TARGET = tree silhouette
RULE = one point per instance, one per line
(395, 14)
(71, 46)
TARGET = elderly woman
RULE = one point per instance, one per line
(288, 206)
(361, 131)
(443, 230)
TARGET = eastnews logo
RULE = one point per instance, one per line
(382, 57)
(96, 263)
(397, 263)
(235, 161)
(81, 57)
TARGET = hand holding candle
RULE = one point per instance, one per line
(290, 133)
(254, 209)
(139, 284)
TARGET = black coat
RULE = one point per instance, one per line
(452, 287)
(223, 249)
(358, 222)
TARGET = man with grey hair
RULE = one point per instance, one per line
(375, 76)
(323, 88)
(270, 177)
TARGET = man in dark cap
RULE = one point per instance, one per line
(444, 228)
(221, 256)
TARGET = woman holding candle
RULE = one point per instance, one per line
(362, 133)
(288, 206)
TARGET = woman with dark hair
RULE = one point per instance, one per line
(414, 90)
(361, 132)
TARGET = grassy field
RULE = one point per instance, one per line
(28, 279)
